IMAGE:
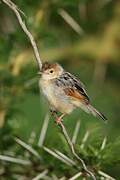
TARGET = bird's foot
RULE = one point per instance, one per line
(58, 120)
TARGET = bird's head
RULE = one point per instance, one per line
(51, 70)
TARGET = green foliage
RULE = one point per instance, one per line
(93, 56)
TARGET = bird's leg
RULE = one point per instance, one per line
(59, 119)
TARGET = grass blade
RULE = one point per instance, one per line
(65, 157)
(85, 139)
(15, 160)
(41, 175)
(76, 131)
(105, 175)
(28, 147)
(43, 131)
(56, 156)
(76, 176)
(75, 26)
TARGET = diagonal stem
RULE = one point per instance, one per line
(64, 131)
(26, 31)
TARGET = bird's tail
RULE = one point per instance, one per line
(95, 112)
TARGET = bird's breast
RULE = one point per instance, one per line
(47, 89)
(56, 97)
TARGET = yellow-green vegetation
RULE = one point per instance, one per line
(83, 36)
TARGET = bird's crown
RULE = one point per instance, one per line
(47, 65)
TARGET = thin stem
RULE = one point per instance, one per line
(103, 143)
(26, 31)
(76, 131)
(105, 175)
(84, 139)
(27, 147)
(15, 160)
(63, 178)
(41, 175)
(73, 150)
(43, 131)
(75, 26)
(76, 176)
(51, 152)
(65, 157)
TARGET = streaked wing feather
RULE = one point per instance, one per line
(72, 86)
(73, 93)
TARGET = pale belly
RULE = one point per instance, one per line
(56, 98)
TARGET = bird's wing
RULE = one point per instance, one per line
(72, 87)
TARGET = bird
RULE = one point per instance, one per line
(64, 92)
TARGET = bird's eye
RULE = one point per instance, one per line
(51, 71)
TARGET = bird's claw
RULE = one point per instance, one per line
(58, 120)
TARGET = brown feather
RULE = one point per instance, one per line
(75, 95)
(47, 65)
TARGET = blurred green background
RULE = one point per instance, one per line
(84, 37)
